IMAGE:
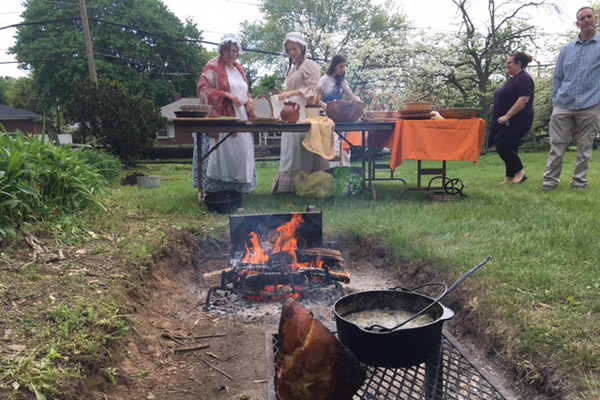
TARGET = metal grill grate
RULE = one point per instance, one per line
(450, 376)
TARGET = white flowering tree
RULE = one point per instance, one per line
(329, 26)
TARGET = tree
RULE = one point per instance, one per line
(329, 26)
(126, 124)
(472, 63)
(139, 43)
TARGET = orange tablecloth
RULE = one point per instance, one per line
(380, 138)
(437, 140)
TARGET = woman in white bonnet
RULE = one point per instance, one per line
(302, 81)
(224, 86)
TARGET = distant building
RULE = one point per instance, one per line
(14, 119)
(170, 135)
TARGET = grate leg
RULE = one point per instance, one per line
(434, 382)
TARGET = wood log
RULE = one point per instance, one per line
(340, 276)
(318, 251)
(213, 278)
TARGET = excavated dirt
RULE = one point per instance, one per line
(156, 365)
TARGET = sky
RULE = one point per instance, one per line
(216, 17)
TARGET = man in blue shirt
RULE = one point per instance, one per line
(576, 97)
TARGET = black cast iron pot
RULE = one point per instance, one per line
(402, 347)
(224, 201)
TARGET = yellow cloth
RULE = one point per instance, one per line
(320, 139)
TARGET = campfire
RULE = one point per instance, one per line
(274, 256)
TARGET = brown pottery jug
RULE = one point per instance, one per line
(290, 112)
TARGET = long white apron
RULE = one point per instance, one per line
(233, 161)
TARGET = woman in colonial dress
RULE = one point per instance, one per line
(334, 86)
(301, 82)
(224, 86)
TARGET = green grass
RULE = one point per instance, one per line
(539, 298)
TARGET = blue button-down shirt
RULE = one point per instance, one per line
(577, 75)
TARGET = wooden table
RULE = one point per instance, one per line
(198, 125)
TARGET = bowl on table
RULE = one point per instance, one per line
(193, 111)
(459, 112)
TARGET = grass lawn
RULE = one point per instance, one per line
(537, 302)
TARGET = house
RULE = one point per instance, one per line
(170, 135)
(174, 141)
(14, 119)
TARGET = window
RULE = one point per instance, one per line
(167, 132)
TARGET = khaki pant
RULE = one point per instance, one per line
(582, 125)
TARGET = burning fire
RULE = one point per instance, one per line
(287, 241)
(274, 257)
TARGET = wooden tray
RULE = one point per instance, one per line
(223, 120)
(407, 112)
(426, 115)
(366, 119)
(259, 120)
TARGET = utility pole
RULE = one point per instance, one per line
(88, 42)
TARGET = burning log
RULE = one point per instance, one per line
(257, 276)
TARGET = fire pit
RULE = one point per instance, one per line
(275, 256)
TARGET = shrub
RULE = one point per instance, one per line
(40, 182)
(126, 124)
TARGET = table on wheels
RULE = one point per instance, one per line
(198, 125)
(427, 140)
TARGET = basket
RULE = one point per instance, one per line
(195, 107)
(438, 195)
(381, 114)
(418, 106)
(193, 111)
(263, 120)
(459, 113)
(344, 110)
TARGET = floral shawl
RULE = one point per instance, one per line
(213, 83)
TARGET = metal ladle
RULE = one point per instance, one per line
(436, 300)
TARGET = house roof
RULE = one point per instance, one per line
(168, 111)
(7, 112)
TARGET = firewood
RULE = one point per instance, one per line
(213, 278)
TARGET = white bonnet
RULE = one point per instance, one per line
(295, 37)
(230, 38)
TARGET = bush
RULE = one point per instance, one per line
(40, 182)
(126, 124)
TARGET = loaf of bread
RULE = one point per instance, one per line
(312, 363)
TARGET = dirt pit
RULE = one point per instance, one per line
(163, 361)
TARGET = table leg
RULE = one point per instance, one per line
(371, 162)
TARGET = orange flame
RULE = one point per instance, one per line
(286, 241)
(256, 254)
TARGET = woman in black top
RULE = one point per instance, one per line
(513, 116)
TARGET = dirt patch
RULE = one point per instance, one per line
(233, 366)
(164, 357)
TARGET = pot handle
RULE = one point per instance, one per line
(398, 288)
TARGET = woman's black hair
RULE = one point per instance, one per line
(521, 58)
(335, 61)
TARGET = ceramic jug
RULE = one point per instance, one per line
(290, 112)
